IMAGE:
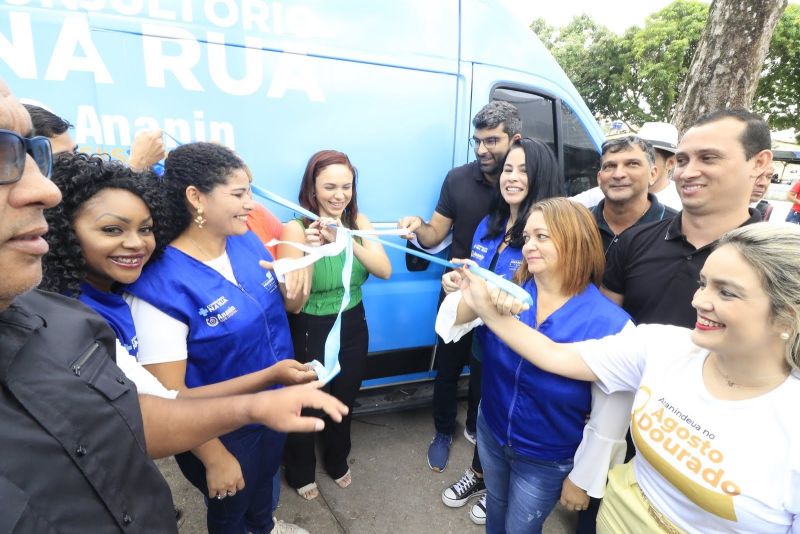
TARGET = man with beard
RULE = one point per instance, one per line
(464, 200)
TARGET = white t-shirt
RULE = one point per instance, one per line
(589, 198)
(669, 197)
(162, 338)
(146, 383)
(708, 465)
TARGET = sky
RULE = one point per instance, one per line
(618, 15)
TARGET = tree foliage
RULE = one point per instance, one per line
(778, 93)
(638, 76)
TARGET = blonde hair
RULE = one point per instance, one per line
(577, 240)
(773, 250)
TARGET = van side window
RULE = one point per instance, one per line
(536, 111)
(581, 158)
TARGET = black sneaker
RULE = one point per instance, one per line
(459, 493)
(478, 511)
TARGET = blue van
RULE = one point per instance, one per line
(392, 84)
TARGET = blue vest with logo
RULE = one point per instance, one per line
(483, 252)
(233, 329)
(539, 414)
(113, 308)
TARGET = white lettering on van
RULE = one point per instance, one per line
(157, 64)
(226, 17)
(255, 14)
(127, 7)
(75, 33)
(88, 126)
(18, 52)
(294, 72)
(99, 129)
(156, 11)
(253, 64)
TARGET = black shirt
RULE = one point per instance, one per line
(465, 198)
(656, 212)
(72, 452)
(656, 270)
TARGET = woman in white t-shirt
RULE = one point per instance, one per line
(101, 237)
(714, 421)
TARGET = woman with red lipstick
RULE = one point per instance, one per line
(714, 418)
(532, 429)
(328, 189)
(101, 236)
(206, 312)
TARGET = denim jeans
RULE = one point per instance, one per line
(793, 217)
(520, 491)
(259, 451)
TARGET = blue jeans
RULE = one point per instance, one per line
(793, 217)
(259, 451)
(520, 491)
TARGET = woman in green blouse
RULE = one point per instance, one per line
(328, 189)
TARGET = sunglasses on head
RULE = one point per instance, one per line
(14, 150)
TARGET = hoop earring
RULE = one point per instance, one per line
(200, 220)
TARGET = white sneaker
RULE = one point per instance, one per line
(478, 511)
(471, 436)
(282, 527)
(469, 485)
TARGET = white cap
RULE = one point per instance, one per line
(662, 135)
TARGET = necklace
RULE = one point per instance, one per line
(733, 384)
(201, 249)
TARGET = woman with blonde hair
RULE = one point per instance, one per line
(714, 420)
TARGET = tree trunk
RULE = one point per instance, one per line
(729, 58)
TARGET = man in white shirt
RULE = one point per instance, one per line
(664, 139)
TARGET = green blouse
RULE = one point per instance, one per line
(326, 287)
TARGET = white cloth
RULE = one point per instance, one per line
(590, 198)
(669, 197)
(708, 465)
(603, 444)
(146, 383)
(162, 338)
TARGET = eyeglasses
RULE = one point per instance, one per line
(14, 150)
(488, 142)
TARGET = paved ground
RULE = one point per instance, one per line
(393, 489)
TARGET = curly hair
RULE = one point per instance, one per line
(202, 165)
(80, 177)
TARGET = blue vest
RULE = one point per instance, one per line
(233, 330)
(113, 308)
(508, 261)
(538, 414)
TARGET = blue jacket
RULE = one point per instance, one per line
(113, 308)
(538, 414)
(233, 330)
(508, 261)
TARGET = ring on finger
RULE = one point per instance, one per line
(231, 493)
(220, 496)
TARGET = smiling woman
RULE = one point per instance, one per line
(205, 312)
(714, 415)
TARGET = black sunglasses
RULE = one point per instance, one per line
(14, 150)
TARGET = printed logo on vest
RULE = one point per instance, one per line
(212, 314)
(514, 264)
(133, 346)
(269, 282)
(479, 252)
